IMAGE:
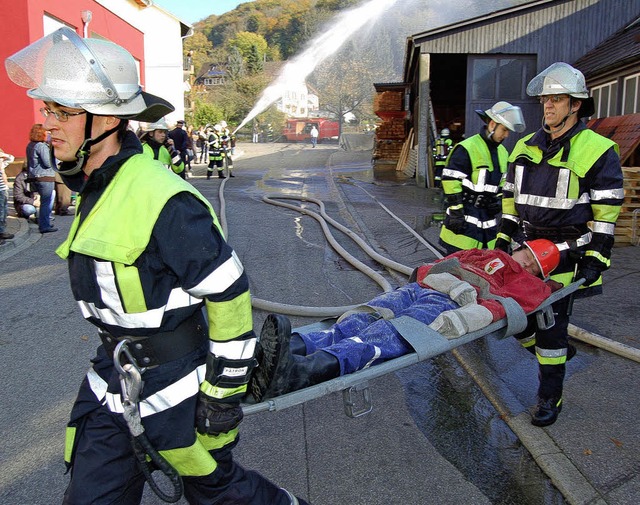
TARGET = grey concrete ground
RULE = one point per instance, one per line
(591, 455)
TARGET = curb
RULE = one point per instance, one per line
(557, 466)
(24, 237)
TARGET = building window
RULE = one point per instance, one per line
(605, 98)
(501, 78)
(213, 81)
(631, 95)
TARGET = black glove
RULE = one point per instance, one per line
(589, 269)
(214, 417)
(454, 220)
(503, 245)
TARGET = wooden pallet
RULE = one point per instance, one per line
(624, 233)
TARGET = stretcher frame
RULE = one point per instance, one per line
(426, 343)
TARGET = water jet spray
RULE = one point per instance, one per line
(319, 49)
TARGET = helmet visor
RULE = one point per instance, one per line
(558, 79)
(91, 74)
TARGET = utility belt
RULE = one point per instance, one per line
(164, 346)
(481, 201)
(573, 236)
(46, 178)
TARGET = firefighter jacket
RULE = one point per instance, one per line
(146, 253)
(161, 153)
(554, 188)
(215, 146)
(472, 183)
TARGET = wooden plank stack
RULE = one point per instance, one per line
(624, 233)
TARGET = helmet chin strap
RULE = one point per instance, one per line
(83, 152)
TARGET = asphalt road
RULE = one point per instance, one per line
(409, 449)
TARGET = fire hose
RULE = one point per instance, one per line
(149, 459)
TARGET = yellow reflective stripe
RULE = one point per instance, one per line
(503, 236)
(509, 206)
(229, 319)
(606, 213)
(565, 278)
(69, 439)
(528, 342)
(451, 187)
(131, 293)
(558, 360)
(196, 461)
(599, 257)
(220, 393)
(459, 241)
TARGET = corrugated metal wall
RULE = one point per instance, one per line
(562, 31)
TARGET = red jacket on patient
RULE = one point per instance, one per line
(502, 275)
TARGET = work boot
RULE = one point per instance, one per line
(547, 411)
(221, 175)
(279, 371)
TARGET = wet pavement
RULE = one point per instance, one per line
(451, 430)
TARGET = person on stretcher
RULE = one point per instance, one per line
(453, 296)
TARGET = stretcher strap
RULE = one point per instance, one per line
(424, 340)
(515, 315)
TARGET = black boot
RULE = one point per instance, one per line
(297, 345)
(221, 175)
(279, 371)
(547, 411)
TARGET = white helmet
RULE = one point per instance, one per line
(91, 74)
(445, 132)
(559, 79)
(510, 116)
(223, 124)
(161, 124)
(217, 128)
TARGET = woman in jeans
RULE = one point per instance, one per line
(40, 163)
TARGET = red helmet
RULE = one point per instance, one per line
(546, 253)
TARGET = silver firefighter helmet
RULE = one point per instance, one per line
(91, 74)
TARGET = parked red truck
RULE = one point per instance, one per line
(297, 130)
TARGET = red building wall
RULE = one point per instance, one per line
(22, 24)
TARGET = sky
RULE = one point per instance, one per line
(195, 10)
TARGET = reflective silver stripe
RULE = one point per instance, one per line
(220, 279)
(481, 224)
(480, 186)
(551, 353)
(164, 399)
(455, 174)
(607, 194)
(583, 240)
(376, 353)
(562, 188)
(605, 228)
(526, 340)
(510, 217)
(234, 349)
(551, 203)
(508, 186)
(149, 319)
(107, 283)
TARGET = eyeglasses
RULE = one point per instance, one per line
(553, 98)
(60, 115)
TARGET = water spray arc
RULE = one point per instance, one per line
(319, 49)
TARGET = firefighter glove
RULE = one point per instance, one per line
(589, 269)
(503, 245)
(214, 417)
(455, 220)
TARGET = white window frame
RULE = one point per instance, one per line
(636, 105)
(610, 106)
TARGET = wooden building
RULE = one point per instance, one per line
(453, 70)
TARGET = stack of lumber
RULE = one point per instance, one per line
(625, 232)
(388, 101)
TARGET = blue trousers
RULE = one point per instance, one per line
(363, 339)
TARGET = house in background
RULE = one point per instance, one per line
(212, 75)
(150, 34)
(453, 70)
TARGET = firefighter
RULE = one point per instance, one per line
(155, 143)
(144, 291)
(216, 159)
(441, 152)
(472, 181)
(561, 178)
(227, 143)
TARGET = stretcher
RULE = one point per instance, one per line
(426, 344)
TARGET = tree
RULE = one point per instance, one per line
(235, 65)
(247, 42)
(254, 61)
(344, 84)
